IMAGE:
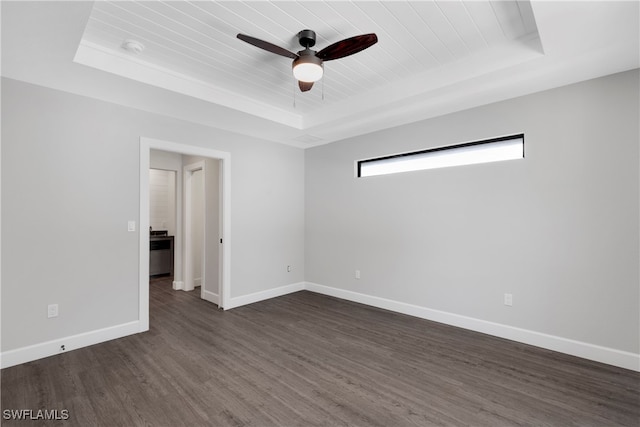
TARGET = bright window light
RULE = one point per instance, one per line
(492, 150)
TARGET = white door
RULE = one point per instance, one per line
(197, 228)
(201, 229)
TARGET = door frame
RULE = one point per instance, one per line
(146, 145)
(189, 274)
(187, 208)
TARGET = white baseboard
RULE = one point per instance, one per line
(54, 347)
(584, 350)
(210, 296)
(73, 342)
(263, 295)
(589, 351)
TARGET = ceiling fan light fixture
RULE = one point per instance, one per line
(307, 64)
(308, 68)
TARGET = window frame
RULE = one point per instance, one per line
(359, 163)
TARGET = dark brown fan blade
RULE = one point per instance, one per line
(270, 47)
(304, 86)
(347, 47)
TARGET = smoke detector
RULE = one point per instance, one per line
(132, 46)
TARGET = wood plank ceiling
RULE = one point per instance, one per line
(197, 39)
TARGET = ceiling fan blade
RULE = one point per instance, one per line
(304, 86)
(270, 47)
(347, 47)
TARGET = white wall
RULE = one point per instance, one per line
(172, 162)
(558, 230)
(83, 159)
(162, 200)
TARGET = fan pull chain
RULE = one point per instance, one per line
(294, 93)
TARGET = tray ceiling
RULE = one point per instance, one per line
(433, 57)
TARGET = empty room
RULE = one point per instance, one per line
(320, 213)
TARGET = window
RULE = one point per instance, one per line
(491, 150)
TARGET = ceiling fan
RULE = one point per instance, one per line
(307, 63)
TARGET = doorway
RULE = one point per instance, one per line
(162, 221)
(201, 224)
(222, 238)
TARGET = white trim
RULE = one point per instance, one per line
(73, 342)
(178, 285)
(622, 359)
(264, 295)
(191, 282)
(120, 63)
(143, 238)
(584, 350)
(210, 296)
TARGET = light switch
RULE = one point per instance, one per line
(131, 226)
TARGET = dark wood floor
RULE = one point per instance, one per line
(310, 360)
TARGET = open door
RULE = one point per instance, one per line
(202, 228)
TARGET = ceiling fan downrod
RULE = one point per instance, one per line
(307, 38)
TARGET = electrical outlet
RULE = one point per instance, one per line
(508, 299)
(52, 310)
(289, 268)
(357, 274)
(131, 226)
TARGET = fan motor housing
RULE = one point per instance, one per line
(307, 56)
(307, 38)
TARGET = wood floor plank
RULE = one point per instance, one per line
(311, 360)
